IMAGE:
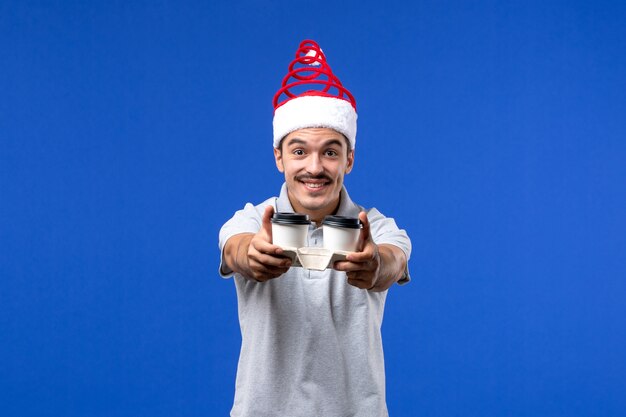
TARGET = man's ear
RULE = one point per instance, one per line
(278, 156)
(350, 161)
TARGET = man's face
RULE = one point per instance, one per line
(314, 161)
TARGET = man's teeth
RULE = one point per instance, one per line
(311, 185)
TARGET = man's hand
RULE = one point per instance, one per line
(362, 267)
(374, 267)
(254, 256)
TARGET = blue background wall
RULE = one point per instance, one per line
(494, 132)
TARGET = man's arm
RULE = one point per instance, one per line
(392, 266)
(374, 267)
(253, 255)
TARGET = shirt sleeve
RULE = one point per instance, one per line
(246, 220)
(384, 230)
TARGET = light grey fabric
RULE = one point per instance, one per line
(311, 343)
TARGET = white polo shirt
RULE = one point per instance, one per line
(311, 343)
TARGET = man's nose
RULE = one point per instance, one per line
(314, 165)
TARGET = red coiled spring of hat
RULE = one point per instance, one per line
(310, 68)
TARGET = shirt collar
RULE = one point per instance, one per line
(346, 206)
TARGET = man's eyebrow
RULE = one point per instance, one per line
(331, 142)
(297, 141)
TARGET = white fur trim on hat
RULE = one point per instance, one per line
(315, 111)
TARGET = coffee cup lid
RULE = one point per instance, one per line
(342, 221)
(290, 218)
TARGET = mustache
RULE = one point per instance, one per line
(303, 178)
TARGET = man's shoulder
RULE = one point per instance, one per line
(256, 210)
(246, 220)
(271, 201)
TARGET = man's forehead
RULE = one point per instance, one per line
(314, 136)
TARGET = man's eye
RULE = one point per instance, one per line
(331, 153)
(298, 152)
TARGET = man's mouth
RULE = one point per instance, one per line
(314, 185)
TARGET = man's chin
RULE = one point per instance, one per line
(314, 201)
(313, 204)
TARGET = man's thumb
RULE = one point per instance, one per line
(365, 231)
(266, 224)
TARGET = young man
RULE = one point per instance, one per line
(311, 341)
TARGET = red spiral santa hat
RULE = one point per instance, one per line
(312, 96)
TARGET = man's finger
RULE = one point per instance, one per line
(347, 266)
(364, 285)
(344, 266)
(352, 276)
(271, 261)
(264, 273)
(266, 224)
(262, 246)
(269, 271)
(365, 231)
(367, 254)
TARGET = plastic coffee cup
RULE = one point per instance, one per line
(341, 233)
(289, 230)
